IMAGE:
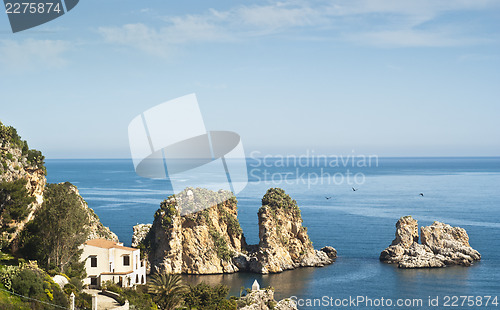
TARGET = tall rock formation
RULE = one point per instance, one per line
(211, 240)
(203, 242)
(18, 162)
(284, 243)
(442, 245)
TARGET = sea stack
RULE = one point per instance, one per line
(442, 245)
(211, 241)
(284, 242)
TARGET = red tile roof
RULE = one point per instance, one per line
(107, 244)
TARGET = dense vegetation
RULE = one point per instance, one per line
(204, 296)
(59, 227)
(14, 202)
(29, 281)
(276, 198)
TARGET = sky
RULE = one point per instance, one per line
(382, 77)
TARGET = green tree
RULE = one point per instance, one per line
(204, 296)
(168, 290)
(58, 230)
(14, 201)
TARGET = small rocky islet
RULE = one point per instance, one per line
(211, 241)
(441, 245)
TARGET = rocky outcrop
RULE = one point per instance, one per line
(264, 300)
(442, 245)
(284, 243)
(211, 240)
(18, 162)
(140, 231)
(96, 229)
(203, 242)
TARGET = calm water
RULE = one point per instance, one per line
(359, 224)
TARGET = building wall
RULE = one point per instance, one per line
(114, 257)
(102, 261)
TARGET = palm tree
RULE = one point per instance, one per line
(167, 289)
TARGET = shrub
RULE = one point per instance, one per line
(14, 200)
(138, 298)
(28, 283)
(221, 246)
(204, 296)
(276, 198)
(7, 273)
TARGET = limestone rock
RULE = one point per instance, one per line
(203, 242)
(60, 280)
(284, 243)
(211, 241)
(96, 229)
(264, 300)
(15, 166)
(442, 245)
(140, 232)
(18, 162)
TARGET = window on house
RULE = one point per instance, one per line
(93, 261)
(136, 278)
(93, 281)
(126, 260)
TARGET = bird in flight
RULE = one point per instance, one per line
(354, 189)
(422, 194)
(328, 198)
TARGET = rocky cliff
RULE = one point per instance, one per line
(442, 245)
(18, 162)
(211, 240)
(140, 231)
(284, 243)
(96, 229)
(203, 242)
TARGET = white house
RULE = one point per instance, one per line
(109, 260)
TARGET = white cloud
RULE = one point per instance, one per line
(31, 54)
(381, 23)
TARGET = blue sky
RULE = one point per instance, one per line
(392, 78)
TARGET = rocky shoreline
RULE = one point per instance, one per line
(442, 245)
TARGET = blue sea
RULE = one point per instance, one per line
(359, 224)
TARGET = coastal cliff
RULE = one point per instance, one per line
(442, 245)
(22, 166)
(96, 229)
(22, 186)
(211, 241)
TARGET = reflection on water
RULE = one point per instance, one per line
(299, 282)
(286, 283)
(437, 280)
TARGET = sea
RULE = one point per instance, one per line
(366, 197)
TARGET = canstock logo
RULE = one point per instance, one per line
(26, 14)
(169, 141)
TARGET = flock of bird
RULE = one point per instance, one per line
(355, 189)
